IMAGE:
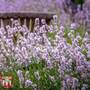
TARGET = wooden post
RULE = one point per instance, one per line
(12, 23)
(19, 21)
(25, 21)
(2, 23)
(30, 24)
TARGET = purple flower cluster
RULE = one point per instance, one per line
(18, 43)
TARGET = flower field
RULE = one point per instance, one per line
(52, 57)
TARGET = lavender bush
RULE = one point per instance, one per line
(50, 58)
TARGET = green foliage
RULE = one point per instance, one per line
(67, 30)
(51, 35)
(84, 52)
(79, 1)
(15, 80)
(45, 83)
(81, 31)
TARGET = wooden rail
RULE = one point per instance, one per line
(22, 14)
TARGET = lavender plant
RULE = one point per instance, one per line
(45, 60)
